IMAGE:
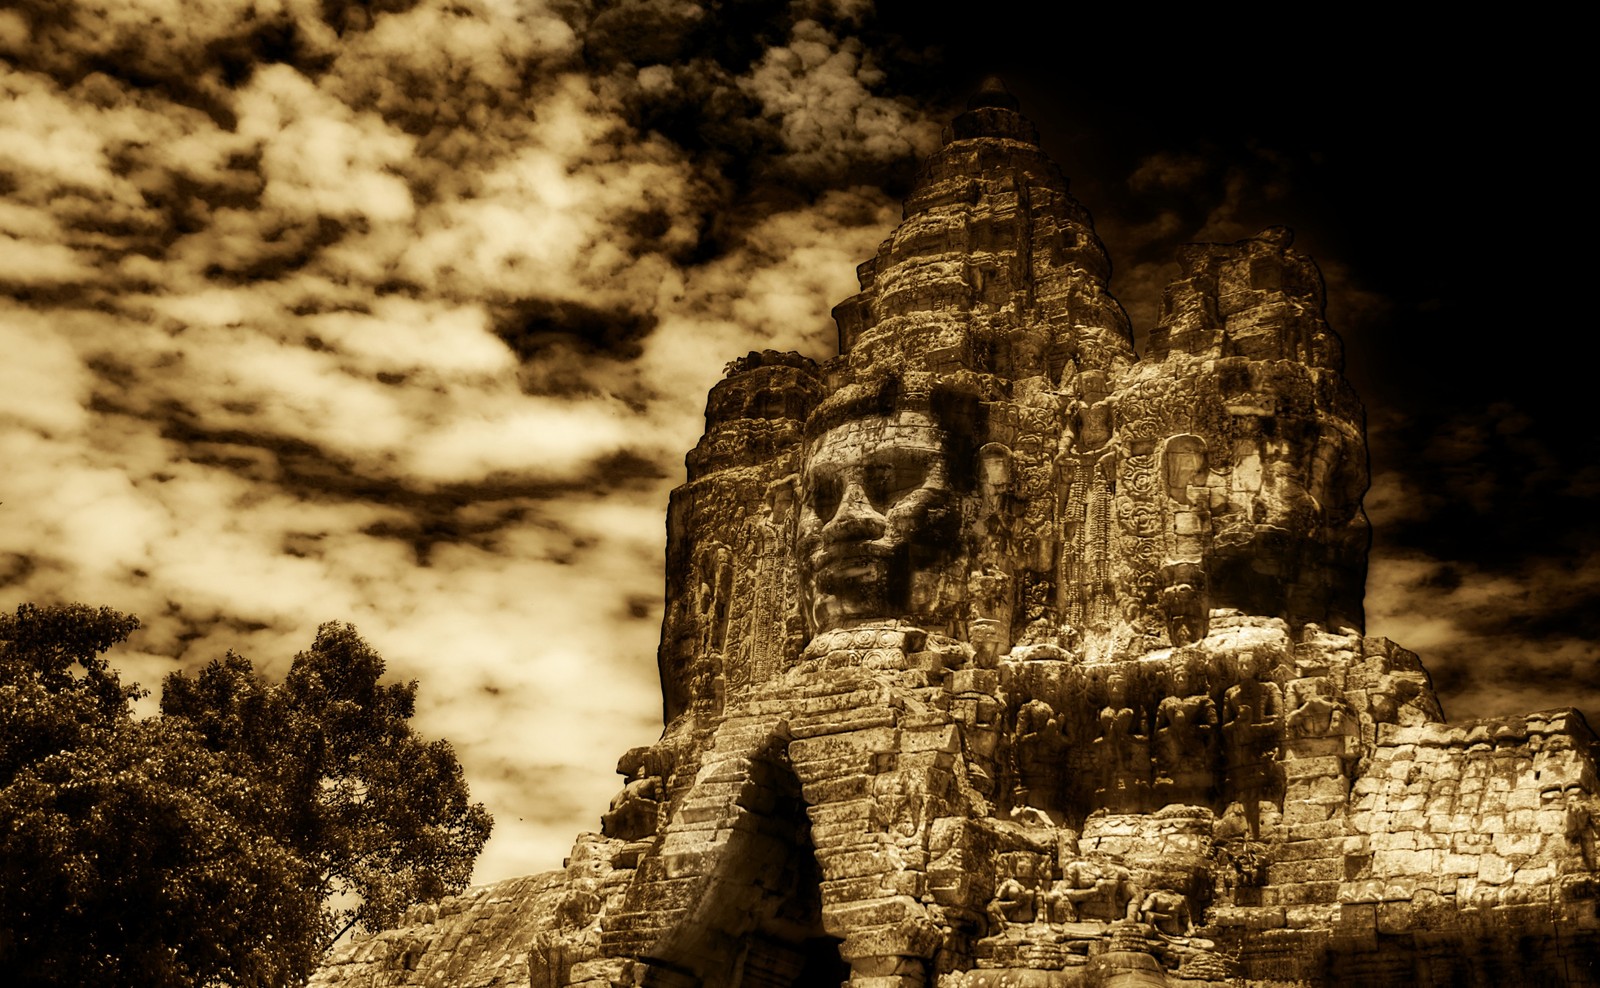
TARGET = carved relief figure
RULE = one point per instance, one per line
(1124, 751)
(1319, 722)
(1167, 911)
(1100, 890)
(1185, 741)
(715, 594)
(1183, 594)
(1039, 748)
(1312, 712)
(1013, 902)
(1183, 603)
(1251, 724)
(1056, 906)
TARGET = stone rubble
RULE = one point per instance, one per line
(995, 655)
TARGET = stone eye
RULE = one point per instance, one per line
(826, 492)
(886, 483)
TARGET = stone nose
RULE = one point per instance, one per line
(855, 520)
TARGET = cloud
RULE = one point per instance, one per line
(43, 384)
(404, 315)
(320, 157)
(1496, 641)
(815, 89)
(1169, 170)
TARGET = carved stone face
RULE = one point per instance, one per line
(878, 514)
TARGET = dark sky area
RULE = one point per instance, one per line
(403, 313)
(1435, 184)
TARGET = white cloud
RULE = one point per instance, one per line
(545, 437)
(401, 334)
(271, 389)
(818, 88)
(318, 155)
(42, 382)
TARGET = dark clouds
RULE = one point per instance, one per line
(1486, 561)
(403, 313)
(1438, 188)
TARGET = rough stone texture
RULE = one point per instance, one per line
(995, 655)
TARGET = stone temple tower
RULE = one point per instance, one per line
(997, 654)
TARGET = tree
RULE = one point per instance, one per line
(126, 856)
(375, 811)
(201, 847)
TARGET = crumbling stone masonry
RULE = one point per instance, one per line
(995, 654)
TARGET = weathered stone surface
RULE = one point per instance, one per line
(996, 655)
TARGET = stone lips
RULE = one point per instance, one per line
(995, 655)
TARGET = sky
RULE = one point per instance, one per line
(403, 314)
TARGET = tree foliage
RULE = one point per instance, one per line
(375, 811)
(228, 841)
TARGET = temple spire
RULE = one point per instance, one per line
(992, 91)
(992, 112)
(995, 269)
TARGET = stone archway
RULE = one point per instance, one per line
(740, 855)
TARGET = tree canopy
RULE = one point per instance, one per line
(373, 808)
(230, 839)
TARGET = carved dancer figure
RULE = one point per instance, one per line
(1167, 911)
(1100, 890)
(1252, 715)
(1183, 604)
(1124, 752)
(1185, 741)
(714, 596)
(1317, 717)
(1039, 767)
(1116, 727)
(1314, 712)
(1013, 902)
(1057, 906)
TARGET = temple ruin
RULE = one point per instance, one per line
(997, 654)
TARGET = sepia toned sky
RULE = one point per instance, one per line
(403, 314)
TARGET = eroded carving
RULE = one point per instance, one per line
(1251, 727)
(1185, 742)
(1013, 902)
(1167, 911)
(1101, 890)
(1123, 749)
(879, 519)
